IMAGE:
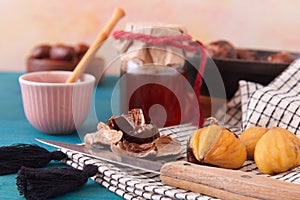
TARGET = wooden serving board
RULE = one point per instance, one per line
(225, 183)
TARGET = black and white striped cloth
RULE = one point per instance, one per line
(133, 184)
(276, 104)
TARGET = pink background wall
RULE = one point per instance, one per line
(269, 24)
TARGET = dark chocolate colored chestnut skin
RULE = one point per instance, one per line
(62, 52)
(135, 134)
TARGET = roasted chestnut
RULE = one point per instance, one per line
(250, 137)
(216, 145)
(139, 134)
(41, 51)
(62, 52)
(81, 49)
(278, 150)
(221, 49)
(129, 134)
(281, 57)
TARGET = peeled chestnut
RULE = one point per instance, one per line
(41, 51)
(216, 145)
(62, 52)
(278, 150)
(250, 137)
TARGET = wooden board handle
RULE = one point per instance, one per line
(225, 183)
(103, 35)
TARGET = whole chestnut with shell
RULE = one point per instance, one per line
(281, 57)
(81, 49)
(221, 49)
(278, 150)
(62, 52)
(40, 51)
(250, 137)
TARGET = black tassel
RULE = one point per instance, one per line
(13, 157)
(39, 184)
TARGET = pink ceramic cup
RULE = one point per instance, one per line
(53, 106)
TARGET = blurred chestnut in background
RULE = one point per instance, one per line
(41, 51)
(45, 57)
(281, 57)
(62, 52)
(81, 49)
(221, 49)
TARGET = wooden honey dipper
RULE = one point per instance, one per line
(103, 35)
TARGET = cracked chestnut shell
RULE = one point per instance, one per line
(278, 150)
(216, 145)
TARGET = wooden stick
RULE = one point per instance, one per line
(103, 35)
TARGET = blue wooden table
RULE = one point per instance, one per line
(14, 128)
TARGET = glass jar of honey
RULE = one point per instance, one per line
(154, 79)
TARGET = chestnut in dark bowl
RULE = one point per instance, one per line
(41, 51)
(81, 49)
(62, 52)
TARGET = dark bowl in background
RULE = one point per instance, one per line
(35, 64)
(232, 70)
(96, 66)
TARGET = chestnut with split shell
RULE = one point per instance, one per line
(216, 145)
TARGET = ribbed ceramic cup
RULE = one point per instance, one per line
(53, 106)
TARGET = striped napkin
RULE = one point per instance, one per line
(276, 104)
(133, 184)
